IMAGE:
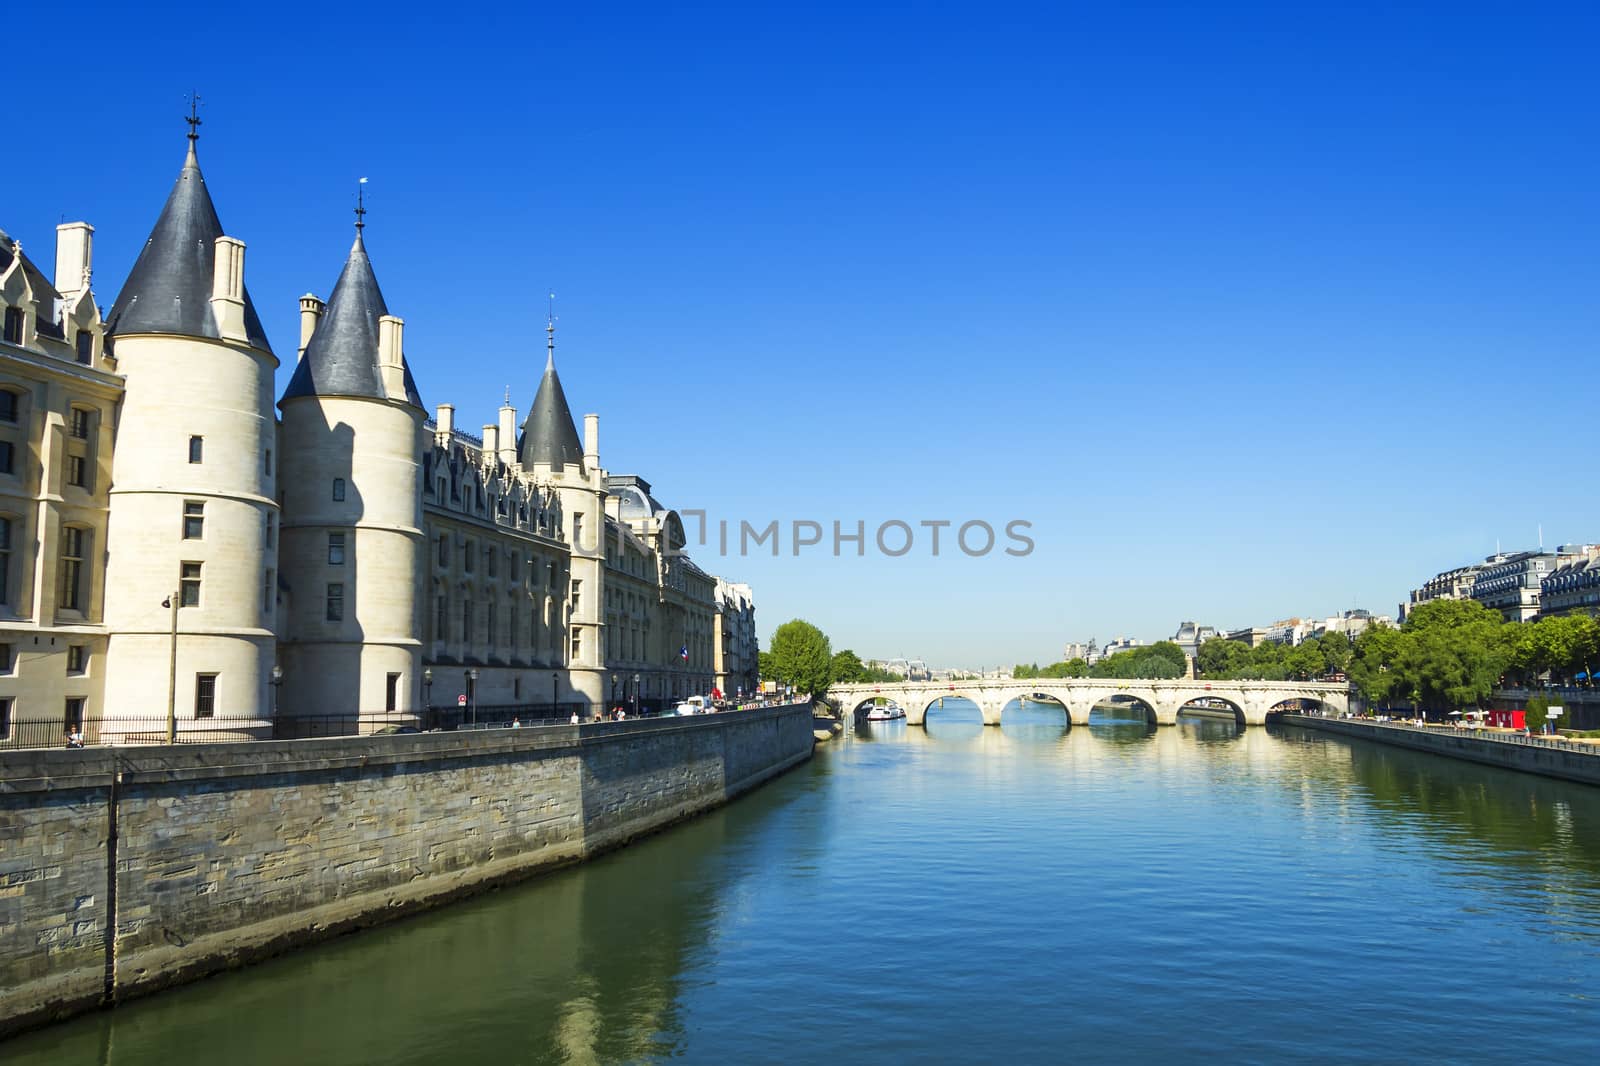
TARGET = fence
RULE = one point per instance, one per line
(1534, 740)
(126, 729)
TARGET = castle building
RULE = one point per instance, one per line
(173, 533)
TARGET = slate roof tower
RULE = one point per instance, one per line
(192, 511)
(352, 530)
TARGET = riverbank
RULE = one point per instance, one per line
(1535, 755)
(207, 857)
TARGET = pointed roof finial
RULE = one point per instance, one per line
(508, 395)
(193, 117)
(550, 338)
(361, 206)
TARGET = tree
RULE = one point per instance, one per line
(1336, 650)
(801, 657)
(1222, 658)
(846, 668)
(764, 664)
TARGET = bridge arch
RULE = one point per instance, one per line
(1126, 704)
(931, 703)
(1211, 705)
(1039, 697)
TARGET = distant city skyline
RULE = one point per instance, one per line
(1222, 304)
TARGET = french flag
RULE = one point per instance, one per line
(683, 652)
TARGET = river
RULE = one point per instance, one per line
(1030, 893)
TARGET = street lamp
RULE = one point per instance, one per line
(172, 671)
(427, 694)
(277, 686)
(472, 693)
(555, 694)
(636, 695)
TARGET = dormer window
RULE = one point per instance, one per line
(85, 347)
(13, 327)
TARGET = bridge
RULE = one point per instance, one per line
(1160, 701)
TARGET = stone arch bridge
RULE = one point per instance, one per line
(1250, 701)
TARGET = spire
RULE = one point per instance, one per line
(549, 435)
(169, 288)
(342, 356)
(361, 207)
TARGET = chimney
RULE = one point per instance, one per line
(491, 444)
(446, 418)
(591, 442)
(227, 289)
(508, 433)
(74, 257)
(311, 310)
(391, 334)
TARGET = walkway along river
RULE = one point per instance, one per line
(1026, 893)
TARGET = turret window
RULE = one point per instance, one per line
(8, 406)
(194, 520)
(7, 456)
(77, 471)
(189, 585)
(335, 602)
(80, 423)
(335, 549)
(5, 561)
(85, 341)
(338, 488)
(205, 695)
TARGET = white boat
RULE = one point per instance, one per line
(884, 712)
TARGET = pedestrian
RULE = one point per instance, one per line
(574, 717)
(74, 737)
(516, 722)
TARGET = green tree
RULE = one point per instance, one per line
(1222, 658)
(1374, 663)
(846, 668)
(1336, 652)
(801, 657)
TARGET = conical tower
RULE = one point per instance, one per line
(549, 450)
(192, 511)
(352, 509)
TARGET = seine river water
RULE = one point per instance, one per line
(962, 894)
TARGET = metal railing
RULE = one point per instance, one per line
(1474, 733)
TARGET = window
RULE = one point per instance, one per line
(335, 602)
(7, 455)
(439, 619)
(391, 698)
(444, 550)
(493, 558)
(189, 585)
(197, 449)
(85, 341)
(266, 463)
(5, 717)
(14, 325)
(268, 524)
(77, 471)
(8, 406)
(466, 622)
(338, 488)
(73, 719)
(576, 585)
(205, 695)
(5, 561)
(335, 549)
(80, 423)
(8, 660)
(72, 555)
(516, 689)
(493, 617)
(577, 644)
(268, 592)
(466, 556)
(77, 658)
(194, 519)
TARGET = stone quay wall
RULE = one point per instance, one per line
(204, 857)
(1569, 762)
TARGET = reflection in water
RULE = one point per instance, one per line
(1199, 868)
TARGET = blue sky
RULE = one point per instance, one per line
(1251, 311)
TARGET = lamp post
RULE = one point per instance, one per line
(472, 693)
(555, 694)
(636, 695)
(277, 686)
(427, 693)
(172, 671)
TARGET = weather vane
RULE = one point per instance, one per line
(361, 204)
(193, 117)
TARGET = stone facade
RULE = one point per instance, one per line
(225, 853)
(346, 562)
